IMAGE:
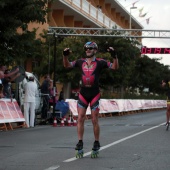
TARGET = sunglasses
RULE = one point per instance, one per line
(88, 48)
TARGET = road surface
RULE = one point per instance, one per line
(130, 142)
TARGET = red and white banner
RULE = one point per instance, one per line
(120, 105)
(10, 111)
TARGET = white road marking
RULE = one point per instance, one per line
(53, 167)
(116, 142)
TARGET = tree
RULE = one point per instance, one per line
(15, 46)
(148, 73)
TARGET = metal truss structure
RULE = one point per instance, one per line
(131, 33)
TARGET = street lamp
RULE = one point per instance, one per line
(130, 20)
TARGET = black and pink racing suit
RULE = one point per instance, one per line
(89, 92)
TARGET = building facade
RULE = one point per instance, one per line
(91, 14)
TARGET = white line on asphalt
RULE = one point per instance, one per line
(116, 142)
(53, 167)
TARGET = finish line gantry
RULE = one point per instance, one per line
(131, 33)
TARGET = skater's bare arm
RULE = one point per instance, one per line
(115, 63)
(66, 62)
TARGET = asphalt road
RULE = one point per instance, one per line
(131, 142)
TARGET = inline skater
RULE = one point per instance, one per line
(89, 93)
(166, 85)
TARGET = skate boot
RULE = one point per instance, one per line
(95, 149)
(79, 150)
(167, 125)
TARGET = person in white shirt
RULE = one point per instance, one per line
(29, 101)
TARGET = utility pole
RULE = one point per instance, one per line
(130, 17)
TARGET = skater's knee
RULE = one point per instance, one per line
(94, 121)
(81, 118)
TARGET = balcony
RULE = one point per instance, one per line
(82, 13)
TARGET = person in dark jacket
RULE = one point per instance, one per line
(45, 94)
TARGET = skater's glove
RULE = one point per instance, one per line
(112, 52)
(66, 52)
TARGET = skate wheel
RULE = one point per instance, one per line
(79, 154)
(94, 154)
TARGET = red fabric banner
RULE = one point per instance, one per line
(120, 105)
(10, 111)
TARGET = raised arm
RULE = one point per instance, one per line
(66, 62)
(14, 77)
(11, 73)
(115, 63)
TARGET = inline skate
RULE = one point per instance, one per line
(95, 149)
(79, 150)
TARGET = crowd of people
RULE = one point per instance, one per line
(30, 91)
(48, 96)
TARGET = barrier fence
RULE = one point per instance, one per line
(10, 112)
(120, 105)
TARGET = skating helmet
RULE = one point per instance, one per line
(90, 45)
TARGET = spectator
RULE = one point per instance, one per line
(7, 83)
(9, 74)
(29, 101)
(51, 92)
(61, 97)
(99, 8)
(7, 78)
(45, 94)
(3, 68)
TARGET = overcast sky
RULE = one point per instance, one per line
(158, 12)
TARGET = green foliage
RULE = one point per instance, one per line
(16, 14)
(147, 73)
